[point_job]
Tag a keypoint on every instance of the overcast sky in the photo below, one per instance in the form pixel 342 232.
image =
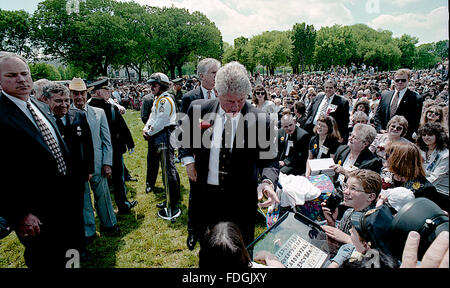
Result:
pixel 426 20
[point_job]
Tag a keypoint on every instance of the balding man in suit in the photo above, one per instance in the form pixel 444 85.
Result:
pixel 35 197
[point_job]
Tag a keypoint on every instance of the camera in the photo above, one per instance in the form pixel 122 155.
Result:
pixel 421 215
pixel 333 201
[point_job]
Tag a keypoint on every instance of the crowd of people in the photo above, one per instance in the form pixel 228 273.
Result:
pixel 383 130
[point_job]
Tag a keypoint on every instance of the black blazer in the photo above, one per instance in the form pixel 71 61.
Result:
pixel 77 135
pixel 190 96
pixel 247 166
pixel 31 182
pixel 365 160
pixel 121 137
pixel 410 107
pixel 295 161
pixel 341 114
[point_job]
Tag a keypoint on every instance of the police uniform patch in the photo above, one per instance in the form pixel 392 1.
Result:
pixel 371 211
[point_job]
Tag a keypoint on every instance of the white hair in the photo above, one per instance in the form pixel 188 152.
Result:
pixel 233 78
pixel 206 64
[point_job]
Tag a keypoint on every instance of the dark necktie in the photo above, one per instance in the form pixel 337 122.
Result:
pixel 49 140
pixel 394 104
pixel 209 94
pixel 225 151
pixel 61 126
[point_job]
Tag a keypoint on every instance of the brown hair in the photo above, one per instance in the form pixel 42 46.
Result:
pixel 258 88
pixel 370 180
pixel 404 160
pixel 400 120
pixel 333 131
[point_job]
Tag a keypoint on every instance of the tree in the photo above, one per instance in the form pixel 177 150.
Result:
pixel 44 71
pixel 271 49
pixel 425 57
pixel 407 46
pixel 15 28
pixel 441 49
pixel 303 40
pixel 175 34
pixel 334 46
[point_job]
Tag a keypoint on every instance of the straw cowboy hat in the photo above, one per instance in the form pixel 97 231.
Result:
pixel 77 84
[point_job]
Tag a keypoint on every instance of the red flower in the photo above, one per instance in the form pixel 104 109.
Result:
pixel 204 125
pixel 385 184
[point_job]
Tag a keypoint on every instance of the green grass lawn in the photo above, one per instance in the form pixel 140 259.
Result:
pixel 145 241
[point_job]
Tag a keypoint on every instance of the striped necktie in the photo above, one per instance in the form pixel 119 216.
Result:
pixel 49 140
pixel 394 104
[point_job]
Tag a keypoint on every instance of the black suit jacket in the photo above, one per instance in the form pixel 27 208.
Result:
pixel 341 114
pixel 31 182
pixel 190 96
pixel 247 166
pixel 295 161
pixel 121 137
pixel 410 107
pixel 365 160
pixel 77 135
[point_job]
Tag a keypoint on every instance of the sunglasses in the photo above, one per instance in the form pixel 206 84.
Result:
pixel 395 127
pixel 400 80
pixel 434 113
pixel 260 93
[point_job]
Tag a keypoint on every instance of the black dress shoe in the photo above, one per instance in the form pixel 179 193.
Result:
pixel 191 241
pixel 113 229
pixel 161 205
pixel 88 240
pixel 127 208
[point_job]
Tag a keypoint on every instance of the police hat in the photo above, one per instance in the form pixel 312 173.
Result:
pixel 159 78
pixel 178 81
pixel 100 84
pixel 374 226
pixel 421 215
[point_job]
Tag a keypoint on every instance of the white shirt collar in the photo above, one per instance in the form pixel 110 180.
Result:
pixel 205 93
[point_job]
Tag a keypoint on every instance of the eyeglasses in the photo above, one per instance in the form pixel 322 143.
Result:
pixel 395 127
pixel 400 80
pixel 434 113
pixel 260 93
pixel 345 187
pixel 356 138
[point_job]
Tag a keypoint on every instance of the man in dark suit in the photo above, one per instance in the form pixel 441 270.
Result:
pixel 121 140
pixel 35 197
pixel 400 101
pixel 332 105
pixel 206 70
pixel 74 128
pixel 223 170
pixel 292 147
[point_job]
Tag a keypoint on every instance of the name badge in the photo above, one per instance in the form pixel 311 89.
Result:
pixel 290 144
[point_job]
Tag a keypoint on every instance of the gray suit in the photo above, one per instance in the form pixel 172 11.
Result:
pixel 101 140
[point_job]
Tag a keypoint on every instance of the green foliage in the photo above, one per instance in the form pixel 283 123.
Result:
pixel 407 46
pixel 15 32
pixel 304 41
pixel 271 49
pixel 44 71
pixel 441 49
